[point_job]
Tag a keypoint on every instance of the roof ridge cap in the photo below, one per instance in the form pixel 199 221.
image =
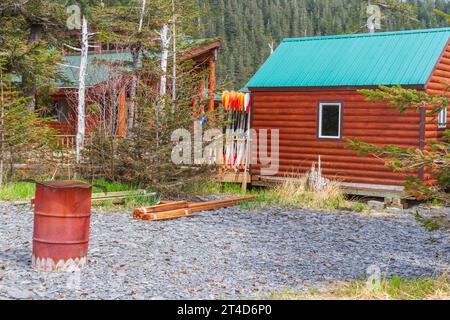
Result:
pixel 368 35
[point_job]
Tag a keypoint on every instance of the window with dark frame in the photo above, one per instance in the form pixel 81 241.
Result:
pixel 57 110
pixel 330 120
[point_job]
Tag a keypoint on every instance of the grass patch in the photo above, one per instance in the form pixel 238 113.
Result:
pixel 206 187
pixel 395 288
pixel 25 190
pixel 297 193
pixel 17 191
pixel 434 222
pixel 111 186
pixel 358 206
pixel 203 187
pixel 293 193
pixel 126 204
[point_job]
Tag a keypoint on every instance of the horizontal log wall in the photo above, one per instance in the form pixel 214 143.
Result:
pixel 62 128
pixel 438 83
pixel 295 115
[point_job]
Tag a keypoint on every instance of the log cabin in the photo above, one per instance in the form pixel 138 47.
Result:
pixel 104 79
pixel 308 89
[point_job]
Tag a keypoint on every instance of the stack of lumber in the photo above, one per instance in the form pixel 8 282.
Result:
pixel 164 211
pixel 120 195
pixel 178 209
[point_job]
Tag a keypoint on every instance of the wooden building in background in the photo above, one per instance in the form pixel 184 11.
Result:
pixel 308 89
pixel 108 77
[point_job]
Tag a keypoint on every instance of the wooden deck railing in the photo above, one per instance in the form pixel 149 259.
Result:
pixel 66 141
pixel 64 153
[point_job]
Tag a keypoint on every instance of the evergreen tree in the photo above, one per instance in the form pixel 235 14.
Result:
pixel 30 30
pixel 23 134
pixel 248 27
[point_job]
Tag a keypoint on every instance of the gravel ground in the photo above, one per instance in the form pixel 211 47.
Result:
pixel 229 253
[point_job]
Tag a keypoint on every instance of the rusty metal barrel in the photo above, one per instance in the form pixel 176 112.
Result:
pixel 62 214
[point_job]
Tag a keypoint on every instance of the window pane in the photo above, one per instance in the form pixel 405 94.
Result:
pixel 442 118
pixel 57 110
pixel 62 109
pixel 330 121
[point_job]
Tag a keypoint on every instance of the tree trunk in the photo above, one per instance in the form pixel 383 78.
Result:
pixel 164 57
pixel 165 42
pixel 373 22
pixel 11 164
pixel 141 18
pixel 134 81
pixel 2 124
pixel 82 91
pixel 174 67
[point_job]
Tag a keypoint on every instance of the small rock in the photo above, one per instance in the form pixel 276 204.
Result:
pixel 376 205
pixel 19 294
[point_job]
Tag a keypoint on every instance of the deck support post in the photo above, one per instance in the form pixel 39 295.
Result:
pixel 212 81
pixel 248 150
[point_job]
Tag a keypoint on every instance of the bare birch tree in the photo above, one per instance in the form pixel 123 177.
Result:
pixel 81 109
pixel 2 125
pixel 165 43
pixel 174 47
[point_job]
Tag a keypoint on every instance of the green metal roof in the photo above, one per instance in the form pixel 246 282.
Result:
pixel 388 58
pixel 98 70
pixel 99 65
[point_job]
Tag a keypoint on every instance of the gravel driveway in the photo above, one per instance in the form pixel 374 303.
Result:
pixel 230 253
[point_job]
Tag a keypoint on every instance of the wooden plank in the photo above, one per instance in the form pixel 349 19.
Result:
pixel 217 204
pixel 119 194
pixel 349 179
pixel 166 215
pixel 375 191
pixel 97 197
pixel 232 177
pixel 378 193
pixel 160 208
pixel 169 206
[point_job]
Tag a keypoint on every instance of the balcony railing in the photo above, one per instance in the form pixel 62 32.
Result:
pixel 65 141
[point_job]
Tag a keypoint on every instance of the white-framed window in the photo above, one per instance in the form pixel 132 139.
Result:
pixel 442 118
pixel 330 114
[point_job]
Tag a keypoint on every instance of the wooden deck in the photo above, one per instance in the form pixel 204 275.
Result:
pixel 366 190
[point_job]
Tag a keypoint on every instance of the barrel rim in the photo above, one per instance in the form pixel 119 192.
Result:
pixel 65 184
